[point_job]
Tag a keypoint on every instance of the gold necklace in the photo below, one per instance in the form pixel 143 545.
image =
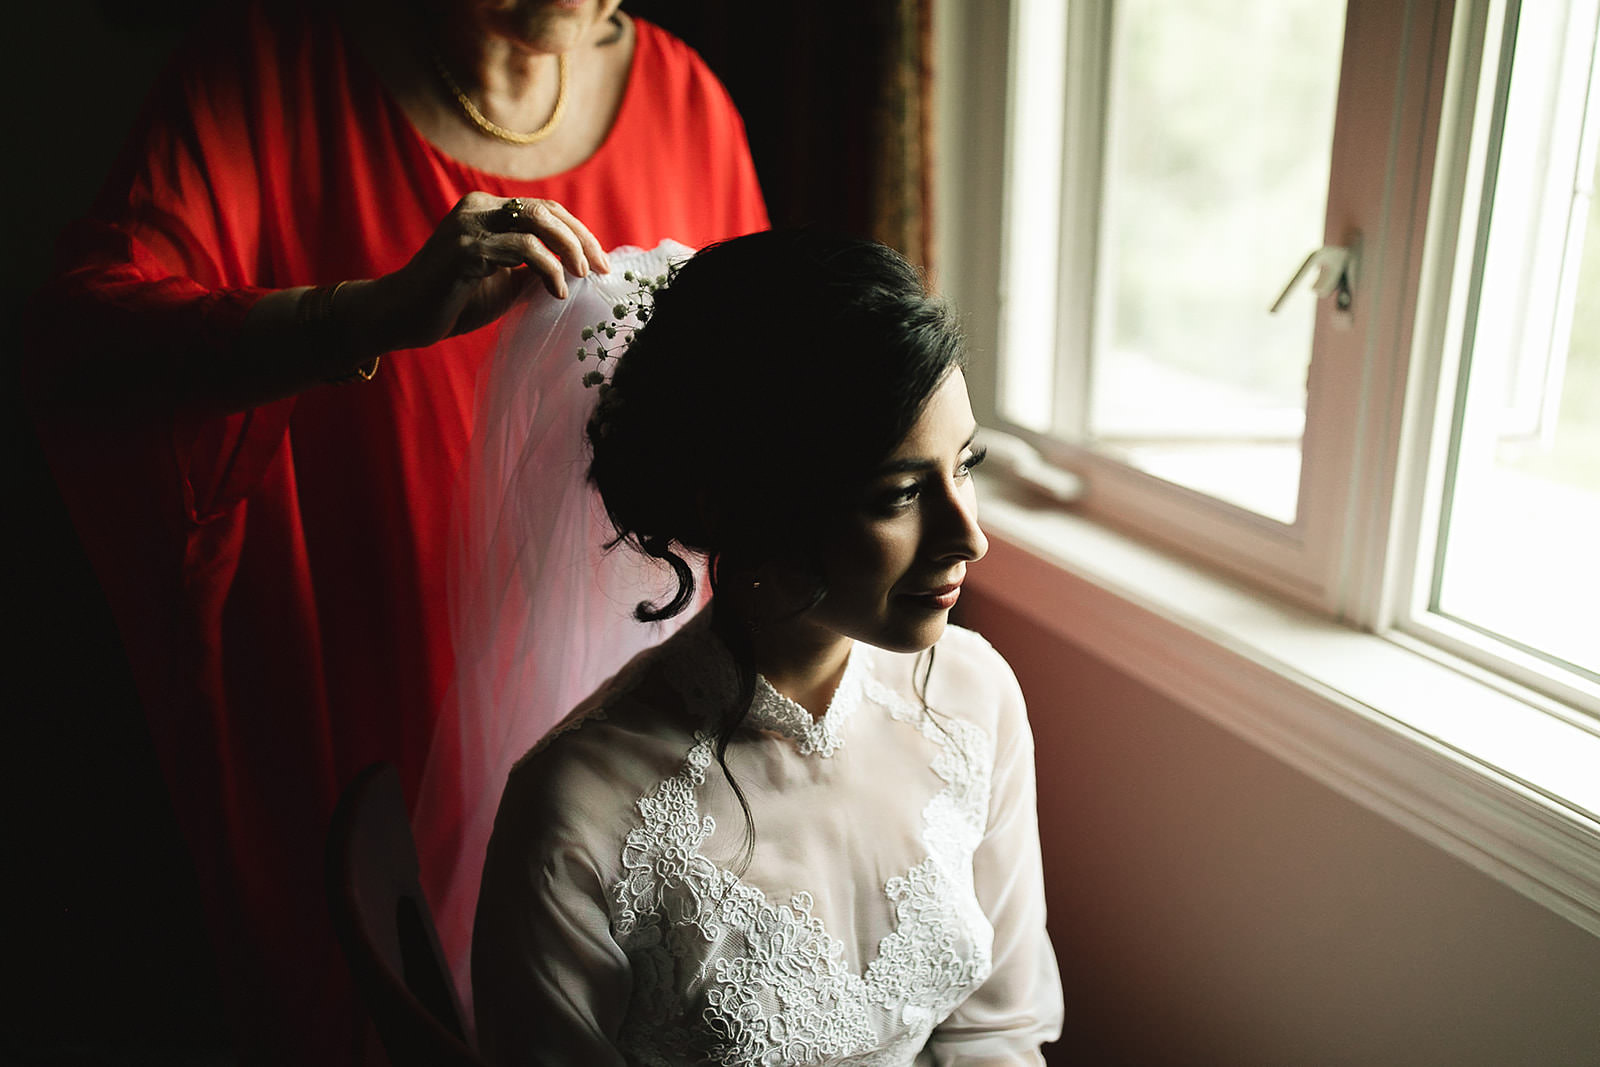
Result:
pixel 495 130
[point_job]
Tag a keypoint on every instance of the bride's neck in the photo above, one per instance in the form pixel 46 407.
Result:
pixel 803 663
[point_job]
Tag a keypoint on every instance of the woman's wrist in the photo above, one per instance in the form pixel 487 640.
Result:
pixel 331 328
pixel 291 340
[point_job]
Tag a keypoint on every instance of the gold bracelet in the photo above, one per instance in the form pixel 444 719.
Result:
pixel 315 312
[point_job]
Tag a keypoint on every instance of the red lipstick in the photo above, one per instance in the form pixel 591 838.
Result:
pixel 940 598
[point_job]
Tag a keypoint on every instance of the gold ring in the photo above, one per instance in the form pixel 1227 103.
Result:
pixel 510 212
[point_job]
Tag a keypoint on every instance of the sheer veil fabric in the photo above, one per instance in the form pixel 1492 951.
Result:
pixel 541 611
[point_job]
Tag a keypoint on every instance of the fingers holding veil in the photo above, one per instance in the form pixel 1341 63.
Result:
pixel 545 236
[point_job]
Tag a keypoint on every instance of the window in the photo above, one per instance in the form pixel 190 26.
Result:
pixel 1189 199
pixel 1505 564
pixel 1411 443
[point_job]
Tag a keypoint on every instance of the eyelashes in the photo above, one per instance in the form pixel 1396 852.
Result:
pixel 898 498
pixel 901 497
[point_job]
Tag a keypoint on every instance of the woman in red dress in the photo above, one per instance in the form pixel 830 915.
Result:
pixel 254 376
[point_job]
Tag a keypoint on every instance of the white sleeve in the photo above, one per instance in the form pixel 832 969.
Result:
pixel 1019 1007
pixel 551 986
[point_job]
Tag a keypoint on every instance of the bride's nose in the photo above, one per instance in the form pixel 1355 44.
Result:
pixel 956 534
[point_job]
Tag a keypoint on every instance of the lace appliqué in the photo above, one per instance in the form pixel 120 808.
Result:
pixel 771 710
pixel 723 975
pixel 705 674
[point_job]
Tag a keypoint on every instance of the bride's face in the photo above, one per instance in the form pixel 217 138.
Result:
pixel 895 562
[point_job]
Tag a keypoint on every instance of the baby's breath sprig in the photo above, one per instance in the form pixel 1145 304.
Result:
pixel 632 313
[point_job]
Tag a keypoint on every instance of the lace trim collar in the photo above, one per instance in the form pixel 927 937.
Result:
pixel 771 710
pixel 704 673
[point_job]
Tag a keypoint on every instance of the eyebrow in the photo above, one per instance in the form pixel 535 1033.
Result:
pixel 908 466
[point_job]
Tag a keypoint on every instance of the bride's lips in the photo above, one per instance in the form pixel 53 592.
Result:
pixel 939 598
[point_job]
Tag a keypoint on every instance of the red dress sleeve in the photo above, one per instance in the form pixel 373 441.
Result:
pixel 160 276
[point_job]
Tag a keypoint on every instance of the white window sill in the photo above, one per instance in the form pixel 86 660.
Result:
pixel 1496 781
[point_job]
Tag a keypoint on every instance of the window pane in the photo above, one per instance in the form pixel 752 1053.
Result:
pixel 1519 555
pixel 1220 126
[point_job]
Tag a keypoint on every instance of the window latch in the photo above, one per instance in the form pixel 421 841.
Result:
pixel 1336 274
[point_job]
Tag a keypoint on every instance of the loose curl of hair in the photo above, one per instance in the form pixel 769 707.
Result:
pixel 775 373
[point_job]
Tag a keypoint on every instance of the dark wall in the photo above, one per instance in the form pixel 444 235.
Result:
pixel 806 76
pixel 102 937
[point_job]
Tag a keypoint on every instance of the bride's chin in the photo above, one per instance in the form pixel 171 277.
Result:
pixel 913 639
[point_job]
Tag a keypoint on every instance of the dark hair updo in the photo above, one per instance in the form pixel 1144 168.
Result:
pixel 776 371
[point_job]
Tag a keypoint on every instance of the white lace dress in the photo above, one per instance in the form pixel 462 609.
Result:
pixel 892 911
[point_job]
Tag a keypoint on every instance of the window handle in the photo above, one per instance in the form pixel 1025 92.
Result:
pixel 1336 274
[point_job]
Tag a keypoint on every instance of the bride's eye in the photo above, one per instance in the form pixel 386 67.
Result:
pixel 973 460
pixel 896 498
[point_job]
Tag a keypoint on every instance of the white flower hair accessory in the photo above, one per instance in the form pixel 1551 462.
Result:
pixel 632 312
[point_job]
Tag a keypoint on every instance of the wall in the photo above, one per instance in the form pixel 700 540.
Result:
pixel 1210 905
pixel 102 914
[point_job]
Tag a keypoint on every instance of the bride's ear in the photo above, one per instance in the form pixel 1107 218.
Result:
pixel 791 587
pixel 708 516
pixel 766 593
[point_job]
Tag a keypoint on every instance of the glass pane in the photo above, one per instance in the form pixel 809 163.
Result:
pixel 1220 127
pixel 1519 542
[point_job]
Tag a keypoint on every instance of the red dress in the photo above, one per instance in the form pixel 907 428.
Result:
pixel 278 575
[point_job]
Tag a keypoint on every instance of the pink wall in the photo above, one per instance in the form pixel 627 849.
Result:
pixel 1211 905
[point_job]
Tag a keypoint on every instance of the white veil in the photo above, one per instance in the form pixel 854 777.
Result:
pixel 541 613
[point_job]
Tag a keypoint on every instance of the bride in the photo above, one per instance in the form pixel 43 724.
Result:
pixel 802 828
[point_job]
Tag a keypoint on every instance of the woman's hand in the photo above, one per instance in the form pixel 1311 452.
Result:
pixel 470 271
pixel 466 275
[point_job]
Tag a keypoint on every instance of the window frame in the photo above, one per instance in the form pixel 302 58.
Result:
pixel 1359 544
pixel 1382 171
pixel 1407 560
